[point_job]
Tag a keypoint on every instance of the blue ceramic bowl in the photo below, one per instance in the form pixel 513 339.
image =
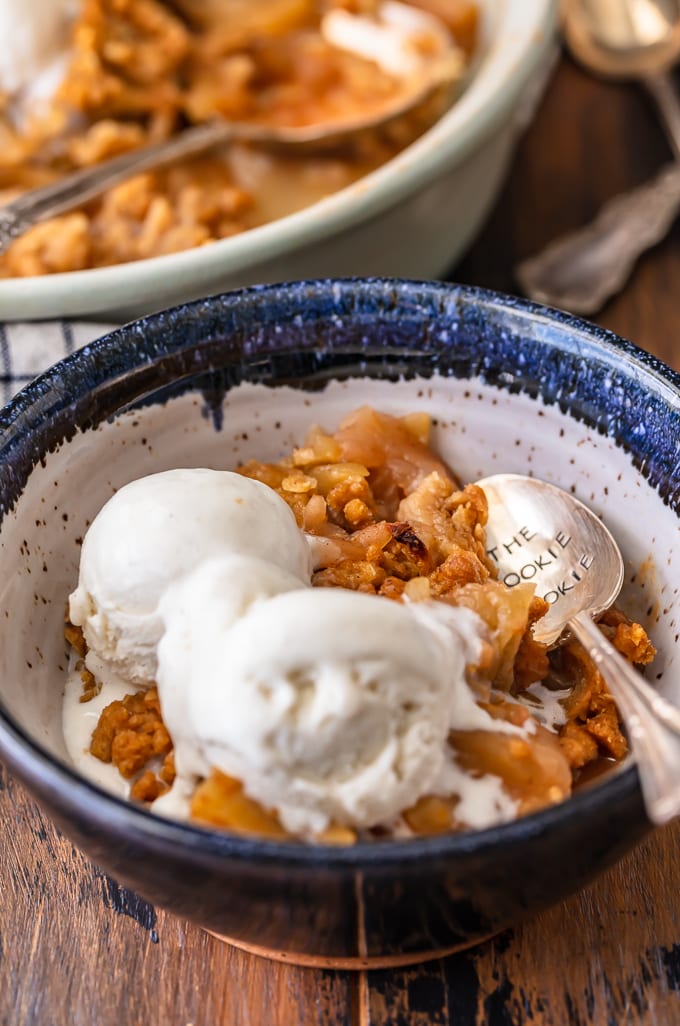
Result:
pixel 512 387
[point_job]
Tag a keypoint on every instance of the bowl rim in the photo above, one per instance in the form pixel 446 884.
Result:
pixel 46 774
pixel 484 104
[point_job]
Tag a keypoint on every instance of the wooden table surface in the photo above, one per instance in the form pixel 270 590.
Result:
pixel 77 949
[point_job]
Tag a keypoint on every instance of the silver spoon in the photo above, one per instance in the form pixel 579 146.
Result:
pixel 537 532
pixel 621 39
pixel 75 189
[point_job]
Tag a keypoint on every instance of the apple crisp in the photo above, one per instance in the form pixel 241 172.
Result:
pixel 387 517
pixel 139 71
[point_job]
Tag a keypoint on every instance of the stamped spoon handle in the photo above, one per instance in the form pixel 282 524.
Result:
pixel 652 723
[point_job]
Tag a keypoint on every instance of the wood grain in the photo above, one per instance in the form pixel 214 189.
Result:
pixel 77 950
pixel 608 956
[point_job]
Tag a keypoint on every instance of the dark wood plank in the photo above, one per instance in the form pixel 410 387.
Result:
pixel 78 950
pixel 610 955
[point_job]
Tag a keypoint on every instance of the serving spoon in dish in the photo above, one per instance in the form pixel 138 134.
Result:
pixel 615 39
pixel 539 533
pixel 418 85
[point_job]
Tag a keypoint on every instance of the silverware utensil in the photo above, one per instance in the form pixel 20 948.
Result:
pixel 619 39
pixel 539 533
pixel 73 190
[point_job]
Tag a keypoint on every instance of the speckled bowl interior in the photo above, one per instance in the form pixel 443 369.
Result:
pixel 511 387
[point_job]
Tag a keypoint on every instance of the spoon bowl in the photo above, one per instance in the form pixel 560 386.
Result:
pixel 538 532
pixel 623 38
pixel 542 534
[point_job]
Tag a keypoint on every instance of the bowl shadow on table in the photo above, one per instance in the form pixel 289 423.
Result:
pixel 176 378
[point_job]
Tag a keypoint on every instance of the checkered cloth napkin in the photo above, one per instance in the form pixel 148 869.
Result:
pixel 27 349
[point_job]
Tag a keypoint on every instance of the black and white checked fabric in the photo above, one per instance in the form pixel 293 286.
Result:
pixel 27 349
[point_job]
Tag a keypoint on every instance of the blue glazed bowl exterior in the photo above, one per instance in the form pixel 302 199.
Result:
pixel 384 899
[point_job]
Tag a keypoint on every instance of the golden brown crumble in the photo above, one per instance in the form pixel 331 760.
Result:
pixel 131 732
pixel 594 727
pixel 150 785
pixel 91 686
pixel 629 638
pixel 74 637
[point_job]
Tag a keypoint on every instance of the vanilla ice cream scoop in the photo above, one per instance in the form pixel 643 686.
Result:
pixel 200 607
pixel 155 531
pixel 328 705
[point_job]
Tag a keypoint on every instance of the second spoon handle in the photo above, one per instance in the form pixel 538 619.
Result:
pixel 662 90
pixel 653 724
pixel 579 272
pixel 78 187
pixel 582 270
